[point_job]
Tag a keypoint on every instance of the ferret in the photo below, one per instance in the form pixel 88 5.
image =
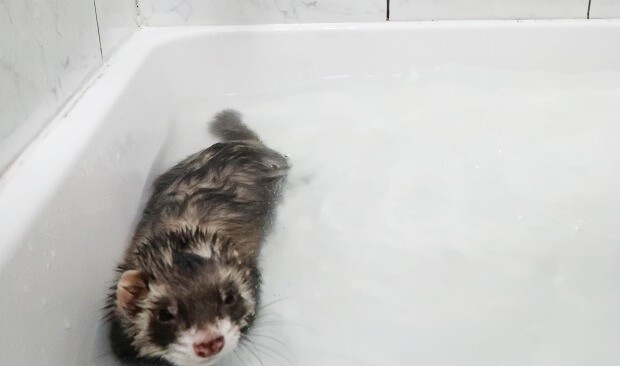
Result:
pixel 188 285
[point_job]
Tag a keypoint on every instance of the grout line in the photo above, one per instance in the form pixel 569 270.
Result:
pixel 589 5
pixel 138 14
pixel 387 13
pixel 98 31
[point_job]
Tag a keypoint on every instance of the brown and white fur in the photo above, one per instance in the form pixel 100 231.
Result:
pixel 188 286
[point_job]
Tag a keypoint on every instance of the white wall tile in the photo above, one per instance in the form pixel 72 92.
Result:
pixel 605 9
pixel 209 12
pixel 487 9
pixel 47 50
pixel 117 22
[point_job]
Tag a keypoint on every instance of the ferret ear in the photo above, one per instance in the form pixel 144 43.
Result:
pixel 131 288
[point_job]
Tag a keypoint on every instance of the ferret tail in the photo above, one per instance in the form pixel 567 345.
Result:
pixel 229 126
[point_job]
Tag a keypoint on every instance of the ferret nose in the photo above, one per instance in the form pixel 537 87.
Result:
pixel 209 348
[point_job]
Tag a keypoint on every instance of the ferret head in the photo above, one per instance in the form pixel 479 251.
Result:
pixel 188 304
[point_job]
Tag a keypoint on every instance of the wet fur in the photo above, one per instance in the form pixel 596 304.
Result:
pixel 200 235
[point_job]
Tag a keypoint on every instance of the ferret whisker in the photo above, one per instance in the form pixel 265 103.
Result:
pixel 270 349
pixel 277 341
pixel 253 353
pixel 262 307
pixel 270 316
pixel 276 323
pixel 262 352
pixel 236 354
pixel 242 352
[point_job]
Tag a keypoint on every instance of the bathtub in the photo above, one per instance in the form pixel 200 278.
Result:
pixel 454 198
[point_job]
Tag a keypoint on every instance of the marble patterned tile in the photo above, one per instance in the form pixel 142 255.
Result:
pixel 605 9
pixel 487 9
pixel 47 50
pixel 211 12
pixel 117 22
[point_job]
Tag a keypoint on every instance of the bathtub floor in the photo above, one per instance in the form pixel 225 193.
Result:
pixel 445 216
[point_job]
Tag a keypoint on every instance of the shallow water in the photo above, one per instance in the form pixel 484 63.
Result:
pixel 445 216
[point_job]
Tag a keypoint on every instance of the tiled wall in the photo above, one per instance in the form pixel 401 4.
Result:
pixel 117 21
pixel 48 48
pixel 212 12
pixel 600 9
pixel 207 12
pixel 487 9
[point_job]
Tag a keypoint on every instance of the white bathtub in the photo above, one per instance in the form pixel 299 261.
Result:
pixel 455 197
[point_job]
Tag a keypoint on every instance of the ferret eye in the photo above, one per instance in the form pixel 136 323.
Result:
pixel 164 315
pixel 230 298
